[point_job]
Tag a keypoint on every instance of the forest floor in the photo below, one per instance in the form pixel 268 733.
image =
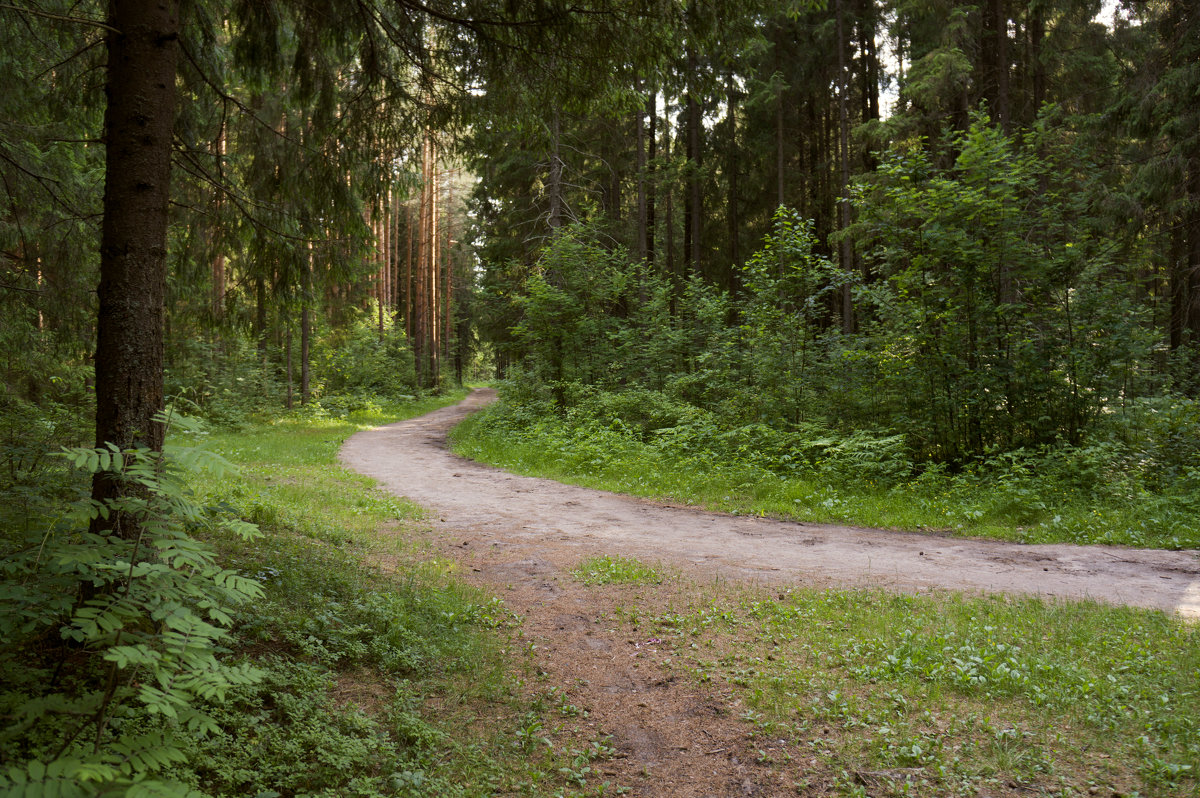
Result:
pixel 521 537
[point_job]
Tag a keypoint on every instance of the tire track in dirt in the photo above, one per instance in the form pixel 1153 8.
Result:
pixel 411 459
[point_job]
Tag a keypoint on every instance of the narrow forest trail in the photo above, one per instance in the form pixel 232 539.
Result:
pixel 520 537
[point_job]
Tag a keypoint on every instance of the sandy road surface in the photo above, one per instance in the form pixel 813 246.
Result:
pixel 472 500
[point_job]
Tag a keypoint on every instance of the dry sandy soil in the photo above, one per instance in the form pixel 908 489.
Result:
pixel 520 537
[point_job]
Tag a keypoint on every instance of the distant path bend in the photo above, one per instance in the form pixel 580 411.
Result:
pixel 411 459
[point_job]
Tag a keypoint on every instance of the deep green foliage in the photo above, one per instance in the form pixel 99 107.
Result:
pixel 115 640
pixel 364 358
pixel 989 320
pixel 998 323
pixel 999 379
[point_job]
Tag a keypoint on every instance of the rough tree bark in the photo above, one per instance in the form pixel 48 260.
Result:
pixel 138 124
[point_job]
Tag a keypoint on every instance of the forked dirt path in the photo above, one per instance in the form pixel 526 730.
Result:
pixel 520 537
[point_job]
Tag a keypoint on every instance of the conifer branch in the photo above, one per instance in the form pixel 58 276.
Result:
pixel 88 21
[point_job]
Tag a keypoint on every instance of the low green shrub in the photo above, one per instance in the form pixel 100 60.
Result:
pixel 114 637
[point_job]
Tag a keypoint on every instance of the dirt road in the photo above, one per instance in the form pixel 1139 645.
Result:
pixel 673 737
pixel 540 516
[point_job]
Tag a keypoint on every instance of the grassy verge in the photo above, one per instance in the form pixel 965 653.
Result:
pixel 383 674
pixel 866 693
pixel 1024 502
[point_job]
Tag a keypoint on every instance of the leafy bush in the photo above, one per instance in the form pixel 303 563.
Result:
pixel 222 381
pixel 638 411
pixel 1000 321
pixel 363 359
pixel 113 636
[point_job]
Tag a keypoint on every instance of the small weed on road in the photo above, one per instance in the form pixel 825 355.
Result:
pixel 610 570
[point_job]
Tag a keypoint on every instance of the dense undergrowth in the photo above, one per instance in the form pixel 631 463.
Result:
pixel 1135 480
pixel 288 638
pixel 984 368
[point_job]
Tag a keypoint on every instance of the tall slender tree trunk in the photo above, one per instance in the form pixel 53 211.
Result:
pixel 389 258
pixel 777 57
pixel 1000 15
pixel 1037 32
pixel 287 353
pixel 408 271
pixel 306 327
pixel 1185 281
pixel 435 241
pixel 448 293
pixel 780 197
pixel 640 236
pixel 260 314
pixel 695 195
pixel 380 250
pixel 651 190
pixel 870 54
pixel 847 255
pixel 218 258
pixel 555 187
pixel 143 50
pixel 731 213
pixel 994 59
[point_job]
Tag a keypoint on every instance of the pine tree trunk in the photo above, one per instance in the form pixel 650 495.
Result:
pixel 556 168
pixel 695 197
pixel 735 253
pixel 847 256
pixel 650 188
pixel 408 271
pixel 138 125
pixel 260 315
pixel 218 260
pixel 1185 284
pixel 287 350
pixel 1037 33
pixel 447 317
pixel 640 237
pixel 780 198
pixel 306 328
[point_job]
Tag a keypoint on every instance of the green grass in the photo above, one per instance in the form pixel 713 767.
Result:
pixel 609 570
pixel 1024 504
pixel 869 693
pixel 385 675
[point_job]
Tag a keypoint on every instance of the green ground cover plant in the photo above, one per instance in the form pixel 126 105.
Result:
pixel 329 654
pixel 607 569
pixel 872 693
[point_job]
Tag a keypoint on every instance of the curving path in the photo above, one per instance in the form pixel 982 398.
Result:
pixel 497 508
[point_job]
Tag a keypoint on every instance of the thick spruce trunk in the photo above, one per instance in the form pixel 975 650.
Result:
pixel 138 123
